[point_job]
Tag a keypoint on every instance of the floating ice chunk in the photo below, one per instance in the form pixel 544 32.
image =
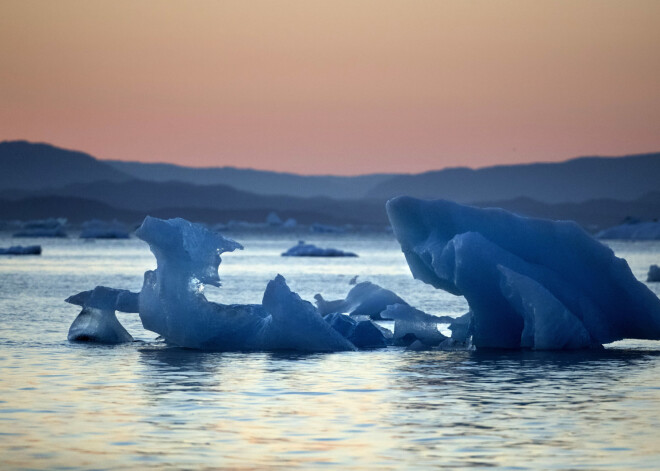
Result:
pixel 632 231
pixel 21 250
pixel 364 299
pixel 654 274
pixel 273 219
pixel 97 321
pixel 461 249
pixel 96 229
pixel 98 325
pixel 296 324
pixel 309 250
pixel 326 228
pixel 368 335
pixel 53 227
pixel 290 223
pixel 173 305
pixel 411 324
pixel 362 334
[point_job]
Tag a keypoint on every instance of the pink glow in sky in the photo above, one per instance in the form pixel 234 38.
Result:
pixel 341 87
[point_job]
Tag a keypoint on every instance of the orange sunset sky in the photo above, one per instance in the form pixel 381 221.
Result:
pixel 342 87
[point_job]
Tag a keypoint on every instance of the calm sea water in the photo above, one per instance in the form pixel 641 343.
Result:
pixel 144 405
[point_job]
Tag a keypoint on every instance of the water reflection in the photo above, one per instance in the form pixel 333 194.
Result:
pixel 549 406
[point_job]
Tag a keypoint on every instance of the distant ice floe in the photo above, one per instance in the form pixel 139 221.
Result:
pixel 632 231
pixel 326 229
pixel 21 250
pixel 97 229
pixel 529 283
pixel 654 274
pixel 309 250
pixel 52 227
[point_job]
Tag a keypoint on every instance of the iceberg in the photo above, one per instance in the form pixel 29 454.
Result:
pixel 309 250
pixel 529 283
pixel 654 274
pixel 97 322
pixel 96 229
pixel 364 299
pixel 632 231
pixel 172 303
pixel 21 250
pixel 52 227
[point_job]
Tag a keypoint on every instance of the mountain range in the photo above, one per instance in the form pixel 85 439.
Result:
pixel 39 180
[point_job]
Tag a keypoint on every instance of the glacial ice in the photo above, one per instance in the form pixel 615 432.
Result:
pixel 309 250
pixel 21 250
pixel 529 283
pixel 97 229
pixel 97 322
pixel 364 299
pixel 173 305
pixel 632 231
pixel 654 274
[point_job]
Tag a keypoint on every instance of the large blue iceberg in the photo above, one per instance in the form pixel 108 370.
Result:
pixel 530 283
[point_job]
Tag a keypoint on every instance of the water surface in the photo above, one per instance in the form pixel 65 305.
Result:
pixel 146 405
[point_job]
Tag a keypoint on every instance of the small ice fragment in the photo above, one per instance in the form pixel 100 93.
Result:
pixel 21 250
pixel 309 250
pixel 654 274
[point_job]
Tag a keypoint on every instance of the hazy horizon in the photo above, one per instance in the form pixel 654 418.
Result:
pixel 341 88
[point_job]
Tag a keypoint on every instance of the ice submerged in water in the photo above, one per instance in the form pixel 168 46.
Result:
pixel 530 283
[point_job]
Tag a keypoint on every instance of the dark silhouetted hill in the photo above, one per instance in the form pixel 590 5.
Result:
pixel 592 215
pixel 256 181
pixel 154 197
pixel 26 165
pixel 582 179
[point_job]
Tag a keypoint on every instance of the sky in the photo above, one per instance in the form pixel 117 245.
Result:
pixel 333 87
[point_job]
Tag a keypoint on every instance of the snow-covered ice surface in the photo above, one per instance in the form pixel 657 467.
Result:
pixel 530 283
pixel 649 230
pixel 147 405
